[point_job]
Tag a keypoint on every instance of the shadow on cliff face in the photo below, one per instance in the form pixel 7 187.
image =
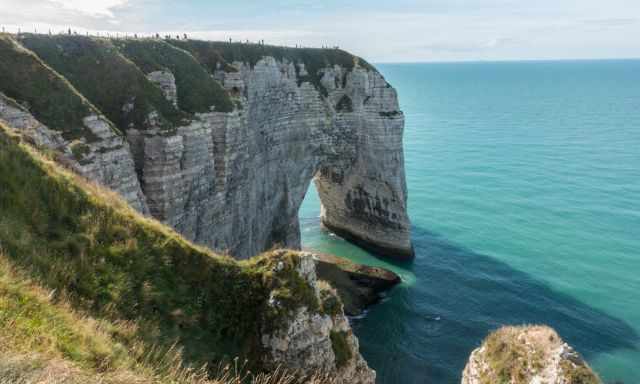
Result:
pixel 426 332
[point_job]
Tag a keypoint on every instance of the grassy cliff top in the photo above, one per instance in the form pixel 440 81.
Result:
pixel 103 75
pixel 216 55
pixel 41 90
pixel 63 78
pixel 85 245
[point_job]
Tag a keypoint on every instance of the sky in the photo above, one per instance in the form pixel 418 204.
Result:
pixel 378 30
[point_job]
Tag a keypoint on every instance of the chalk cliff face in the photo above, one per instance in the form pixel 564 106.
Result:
pixel 235 181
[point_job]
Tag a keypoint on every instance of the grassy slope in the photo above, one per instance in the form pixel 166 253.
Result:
pixel 197 90
pixel 38 335
pixel 111 263
pixel 98 70
pixel 49 97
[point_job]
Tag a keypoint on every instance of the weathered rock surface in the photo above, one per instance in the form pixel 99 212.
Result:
pixel 318 342
pixel 358 286
pixel 534 354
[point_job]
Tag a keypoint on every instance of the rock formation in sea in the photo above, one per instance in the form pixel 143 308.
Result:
pixel 527 354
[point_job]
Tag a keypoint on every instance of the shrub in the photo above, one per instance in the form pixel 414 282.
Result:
pixel 341 348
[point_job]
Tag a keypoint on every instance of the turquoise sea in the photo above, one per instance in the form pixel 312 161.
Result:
pixel 524 188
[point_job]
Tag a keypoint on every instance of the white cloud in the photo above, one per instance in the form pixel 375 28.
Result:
pixel 91 7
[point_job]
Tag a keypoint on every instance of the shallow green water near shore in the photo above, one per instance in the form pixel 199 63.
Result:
pixel 524 187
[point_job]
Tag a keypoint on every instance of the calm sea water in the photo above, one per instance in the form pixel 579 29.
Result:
pixel 524 187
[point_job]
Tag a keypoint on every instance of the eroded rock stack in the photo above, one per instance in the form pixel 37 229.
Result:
pixel 533 354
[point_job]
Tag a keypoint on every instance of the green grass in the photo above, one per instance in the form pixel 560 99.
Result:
pixel 107 260
pixel 32 324
pixel 104 76
pixel 111 74
pixel 46 94
pixel 197 90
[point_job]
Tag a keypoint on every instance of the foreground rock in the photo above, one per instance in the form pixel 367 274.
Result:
pixel 533 354
pixel 359 286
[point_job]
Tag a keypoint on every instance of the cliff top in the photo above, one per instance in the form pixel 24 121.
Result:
pixel 99 70
pixel 61 79
pixel 216 55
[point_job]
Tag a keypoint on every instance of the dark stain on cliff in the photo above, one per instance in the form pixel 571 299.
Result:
pixel 369 207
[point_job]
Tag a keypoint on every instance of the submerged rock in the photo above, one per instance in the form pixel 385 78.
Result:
pixel 359 286
pixel 527 354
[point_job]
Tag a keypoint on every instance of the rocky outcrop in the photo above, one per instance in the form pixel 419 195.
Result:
pixel 358 286
pixel 104 157
pixel 166 81
pixel 315 341
pixel 534 354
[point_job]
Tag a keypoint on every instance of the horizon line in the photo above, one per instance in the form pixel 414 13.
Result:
pixel 479 61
